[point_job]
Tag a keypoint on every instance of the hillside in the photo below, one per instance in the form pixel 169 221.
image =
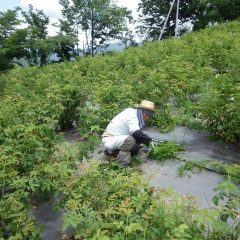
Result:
pixel 193 80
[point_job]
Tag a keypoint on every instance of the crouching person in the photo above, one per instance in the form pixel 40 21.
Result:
pixel 124 134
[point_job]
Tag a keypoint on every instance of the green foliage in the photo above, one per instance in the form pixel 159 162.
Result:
pixel 38 45
pixel 190 166
pixel 227 198
pixel 165 150
pixel 12 40
pixel 215 12
pixel 163 119
pixel 30 144
pixel 111 203
pixel 220 106
pixel 152 17
pixel 15 222
pixel 30 45
pixel 231 171
pixel 115 203
pixel 37 21
pixel 36 103
pixel 229 193
pixel 33 107
pixel 8 22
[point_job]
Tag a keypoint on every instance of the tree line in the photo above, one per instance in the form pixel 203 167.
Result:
pixel 95 23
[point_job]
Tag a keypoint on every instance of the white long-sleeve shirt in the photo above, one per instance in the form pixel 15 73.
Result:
pixel 125 123
pixel 121 126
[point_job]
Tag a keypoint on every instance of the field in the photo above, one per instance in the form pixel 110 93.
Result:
pixel 193 80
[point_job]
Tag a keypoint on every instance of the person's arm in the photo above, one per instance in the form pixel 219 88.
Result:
pixel 141 137
pixel 134 128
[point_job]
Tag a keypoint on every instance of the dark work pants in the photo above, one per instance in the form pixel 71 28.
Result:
pixel 124 156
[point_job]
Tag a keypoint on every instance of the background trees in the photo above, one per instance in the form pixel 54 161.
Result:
pixel 41 46
pixel 91 23
pixel 87 27
pixel 31 44
pixel 152 17
pixel 214 11
pixel 37 34
pixel 11 39
pixel 99 21
pixel 193 14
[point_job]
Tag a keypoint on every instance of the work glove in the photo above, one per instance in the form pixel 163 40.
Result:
pixel 141 137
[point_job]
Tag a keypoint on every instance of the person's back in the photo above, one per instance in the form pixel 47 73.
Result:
pixel 125 123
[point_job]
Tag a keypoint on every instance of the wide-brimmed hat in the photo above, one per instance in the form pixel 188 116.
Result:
pixel 145 104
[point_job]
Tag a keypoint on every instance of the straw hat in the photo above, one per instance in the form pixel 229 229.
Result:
pixel 145 104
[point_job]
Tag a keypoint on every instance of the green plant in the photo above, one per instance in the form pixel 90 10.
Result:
pixel 163 119
pixel 229 211
pixel 194 77
pixel 191 166
pixel 165 150
pixel 219 108
pixel 110 202
pixel 15 219
pixel 227 198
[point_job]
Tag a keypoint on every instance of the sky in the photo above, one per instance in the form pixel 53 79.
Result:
pixel 52 8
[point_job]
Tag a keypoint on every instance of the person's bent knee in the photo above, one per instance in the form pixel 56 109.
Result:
pixel 131 140
pixel 128 143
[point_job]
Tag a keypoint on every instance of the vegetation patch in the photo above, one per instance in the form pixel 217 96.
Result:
pixel 108 202
pixel 37 103
pixel 165 150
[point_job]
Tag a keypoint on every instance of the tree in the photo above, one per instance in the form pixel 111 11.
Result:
pixel 195 13
pixel 62 46
pixel 66 50
pixel 100 21
pixel 31 43
pixel 37 33
pixel 41 46
pixel 12 40
pixel 152 16
pixel 215 11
